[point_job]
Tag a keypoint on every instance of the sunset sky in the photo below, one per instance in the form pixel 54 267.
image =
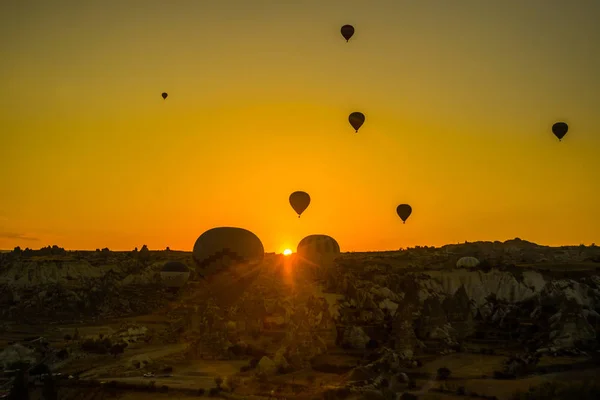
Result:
pixel 459 98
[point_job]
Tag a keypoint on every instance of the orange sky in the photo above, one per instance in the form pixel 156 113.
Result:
pixel 459 98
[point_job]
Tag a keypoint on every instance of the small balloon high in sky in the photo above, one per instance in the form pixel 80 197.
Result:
pixel 164 96
pixel 356 119
pixel 404 211
pixel 560 129
pixel 299 201
pixel 347 32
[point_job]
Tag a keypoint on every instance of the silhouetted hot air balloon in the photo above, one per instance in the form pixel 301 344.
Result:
pixel 560 129
pixel 318 250
pixel 356 119
pixel 225 246
pixel 347 32
pixel 164 96
pixel 404 211
pixel 229 259
pixel 299 202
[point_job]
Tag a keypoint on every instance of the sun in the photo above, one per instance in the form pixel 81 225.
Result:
pixel 287 252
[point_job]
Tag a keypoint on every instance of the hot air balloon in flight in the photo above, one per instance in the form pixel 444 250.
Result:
pixel 356 119
pixel 347 32
pixel 560 129
pixel 299 202
pixel 404 211
pixel 164 96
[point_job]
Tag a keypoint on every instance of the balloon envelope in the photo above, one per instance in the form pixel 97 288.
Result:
pixel 560 129
pixel 318 249
pixel 347 31
pixel 164 96
pixel 404 211
pixel 356 119
pixel 223 247
pixel 467 262
pixel 299 202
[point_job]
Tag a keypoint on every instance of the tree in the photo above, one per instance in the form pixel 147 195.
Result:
pixel 17 250
pixel 118 349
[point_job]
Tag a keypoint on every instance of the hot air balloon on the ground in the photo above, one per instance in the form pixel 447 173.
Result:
pixel 164 96
pixel 317 251
pixel 226 246
pixel 560 129
pixel 299 201
pixel 347 32
pixel 356 119
pixel 174 274
pixel 404 211
pixel 229 259
pixel 467 262
pixel 315 246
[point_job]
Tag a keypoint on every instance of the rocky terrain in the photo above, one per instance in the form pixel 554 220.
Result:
pixel 369 325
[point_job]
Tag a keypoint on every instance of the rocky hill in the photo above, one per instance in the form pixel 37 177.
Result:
pixel 545 298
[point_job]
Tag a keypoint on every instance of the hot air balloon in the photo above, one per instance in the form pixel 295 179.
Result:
pixel 229 259
pixel 317 253
pixel 356 119
pixel 226 246
pixel 315 246
pixel 164 96
pixel 347 32
pixel 174 274
pixel 560 129
pixel 404 211
pixel 467 262
pixel 299 202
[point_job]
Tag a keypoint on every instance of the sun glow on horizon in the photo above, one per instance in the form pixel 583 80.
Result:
pixel 287 252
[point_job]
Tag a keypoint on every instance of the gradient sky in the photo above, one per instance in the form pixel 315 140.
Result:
pixel 459 97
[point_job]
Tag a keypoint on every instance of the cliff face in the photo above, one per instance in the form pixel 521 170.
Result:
pixel 27 273
pixel 455 304
pixel 66 287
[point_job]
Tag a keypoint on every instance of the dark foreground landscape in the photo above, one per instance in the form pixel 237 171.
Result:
pixel 407 324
